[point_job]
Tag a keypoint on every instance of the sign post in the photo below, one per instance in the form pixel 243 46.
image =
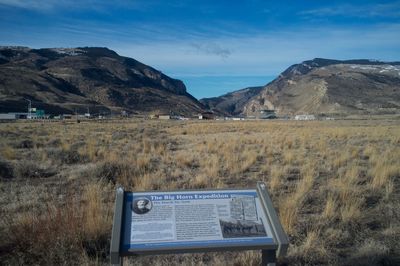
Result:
pixel 116 229
pixel 156 222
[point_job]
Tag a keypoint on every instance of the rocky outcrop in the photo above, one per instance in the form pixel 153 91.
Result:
pixel 331 87
pixel 231 103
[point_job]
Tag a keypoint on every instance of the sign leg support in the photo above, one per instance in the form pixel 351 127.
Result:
pixel 115 258
pixel 268 257
pixel 120 263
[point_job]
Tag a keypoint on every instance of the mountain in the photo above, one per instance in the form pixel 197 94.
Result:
pixel 65 80
pixel 331 87
pixel 231 103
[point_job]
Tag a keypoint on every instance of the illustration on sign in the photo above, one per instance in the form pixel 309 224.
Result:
pixel 141 205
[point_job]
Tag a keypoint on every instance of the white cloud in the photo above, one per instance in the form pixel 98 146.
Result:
pixel 181 51
pixel 53 5
pixel 211 48
pixel 31 4
pixel 388 10
pixel 267 53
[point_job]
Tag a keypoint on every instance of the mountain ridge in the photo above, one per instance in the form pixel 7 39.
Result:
pixel 332 87
pixel 328 87
pixel 66 79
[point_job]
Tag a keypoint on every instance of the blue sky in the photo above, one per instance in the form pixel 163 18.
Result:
pixel 213 46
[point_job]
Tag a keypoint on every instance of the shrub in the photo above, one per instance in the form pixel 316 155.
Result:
pixel 31 169
pixel 25 144
pixel 6 170
pixel 108 171
pixel 66 156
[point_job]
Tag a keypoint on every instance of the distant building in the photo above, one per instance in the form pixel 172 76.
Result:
pixel 304 117
pixel 8 116
pixel 40 114
pixel 12 116
pixel 267 114
pixel 207 116
pixel 164 117
pixel 124 113
pixel 66 116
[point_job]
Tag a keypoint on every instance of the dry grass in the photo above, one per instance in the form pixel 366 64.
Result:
pixel 335 185
pixel 276 177
pixel 331 207
pixel 8 152
pixel 73 231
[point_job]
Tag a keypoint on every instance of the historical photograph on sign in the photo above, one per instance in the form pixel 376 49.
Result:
pixel 237 228
pixel 244 221
pixel 141 205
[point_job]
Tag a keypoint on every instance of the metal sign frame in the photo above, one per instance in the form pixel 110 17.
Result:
pixel 270 251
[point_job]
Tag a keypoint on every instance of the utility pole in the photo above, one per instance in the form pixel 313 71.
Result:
pixel 76 115
pixel 29 109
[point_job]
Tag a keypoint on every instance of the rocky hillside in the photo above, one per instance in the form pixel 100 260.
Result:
pixel 64 80
pixel 231 103
pixel 332 87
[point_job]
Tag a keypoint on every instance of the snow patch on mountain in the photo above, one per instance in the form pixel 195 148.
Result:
pixel 69 51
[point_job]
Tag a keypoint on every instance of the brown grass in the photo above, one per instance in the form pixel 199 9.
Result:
pixel 8 152
pixel 331 208
pixel 335 185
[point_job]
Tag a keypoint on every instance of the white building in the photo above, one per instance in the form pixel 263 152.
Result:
pixel 304 117
pixel 164 117
pixel 8 117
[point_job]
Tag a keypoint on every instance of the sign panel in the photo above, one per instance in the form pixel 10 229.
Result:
pixel 156 221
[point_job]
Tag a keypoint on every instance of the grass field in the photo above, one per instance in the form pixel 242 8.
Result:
pixel 335 185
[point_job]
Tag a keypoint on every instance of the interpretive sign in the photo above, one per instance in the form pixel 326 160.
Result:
pixel 194 221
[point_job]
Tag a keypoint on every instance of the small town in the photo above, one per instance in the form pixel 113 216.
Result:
pixel 39 114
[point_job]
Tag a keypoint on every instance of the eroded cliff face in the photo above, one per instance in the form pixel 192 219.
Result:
pixel 322 86
pixel 61 79
pixel 231 103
